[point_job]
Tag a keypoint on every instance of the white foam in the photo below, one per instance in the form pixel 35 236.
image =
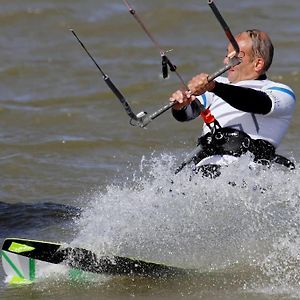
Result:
pixel 196 222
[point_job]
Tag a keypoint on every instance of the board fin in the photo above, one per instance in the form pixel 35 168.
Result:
pixel 19 280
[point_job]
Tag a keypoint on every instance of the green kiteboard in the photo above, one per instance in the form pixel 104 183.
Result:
pixel 24 261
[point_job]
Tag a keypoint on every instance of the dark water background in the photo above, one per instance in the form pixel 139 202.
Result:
pixel 74 170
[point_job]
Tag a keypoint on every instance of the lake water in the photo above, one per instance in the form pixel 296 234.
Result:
pixel 74 170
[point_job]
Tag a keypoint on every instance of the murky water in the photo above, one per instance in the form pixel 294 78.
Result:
pixel 74 170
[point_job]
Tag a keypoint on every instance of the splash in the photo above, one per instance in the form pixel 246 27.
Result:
pixel 245 217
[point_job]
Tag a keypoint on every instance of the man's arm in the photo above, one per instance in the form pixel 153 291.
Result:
pixel 244 99
pixel 187 113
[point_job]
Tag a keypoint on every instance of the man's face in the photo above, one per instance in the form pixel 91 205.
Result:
pixel 246 69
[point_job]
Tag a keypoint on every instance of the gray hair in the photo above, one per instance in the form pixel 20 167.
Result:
pixel 261 46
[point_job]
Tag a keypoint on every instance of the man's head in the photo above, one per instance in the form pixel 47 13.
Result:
pixel 256 52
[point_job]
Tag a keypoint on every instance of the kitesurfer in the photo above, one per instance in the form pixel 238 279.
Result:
pixel 254 112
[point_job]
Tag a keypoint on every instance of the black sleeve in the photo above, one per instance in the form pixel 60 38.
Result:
pixel 245 99
pixel 188 113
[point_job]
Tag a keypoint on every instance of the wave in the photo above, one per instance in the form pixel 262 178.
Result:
pixel 195 222
pixel 21 219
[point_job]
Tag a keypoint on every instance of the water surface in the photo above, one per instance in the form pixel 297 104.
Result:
pixel 74 170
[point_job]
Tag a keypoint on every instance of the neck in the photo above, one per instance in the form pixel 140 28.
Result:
pixel 262 77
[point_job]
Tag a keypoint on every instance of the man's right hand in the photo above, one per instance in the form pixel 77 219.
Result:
pixel 181 99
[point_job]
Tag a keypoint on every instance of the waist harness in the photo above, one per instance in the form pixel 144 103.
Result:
pixel 229 141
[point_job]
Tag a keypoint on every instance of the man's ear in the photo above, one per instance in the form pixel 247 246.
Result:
pixel 259 64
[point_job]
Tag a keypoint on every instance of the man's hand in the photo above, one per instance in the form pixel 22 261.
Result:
pixel 199 84
pixel 181 99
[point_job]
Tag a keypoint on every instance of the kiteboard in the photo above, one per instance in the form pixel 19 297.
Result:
pixel 25 261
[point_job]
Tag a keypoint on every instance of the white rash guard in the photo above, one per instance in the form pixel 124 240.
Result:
pixel 270 127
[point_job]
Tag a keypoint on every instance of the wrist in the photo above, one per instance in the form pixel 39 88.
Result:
pixel 178 107
pixel 211 86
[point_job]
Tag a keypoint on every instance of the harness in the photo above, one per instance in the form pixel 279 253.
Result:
pixel 229 141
